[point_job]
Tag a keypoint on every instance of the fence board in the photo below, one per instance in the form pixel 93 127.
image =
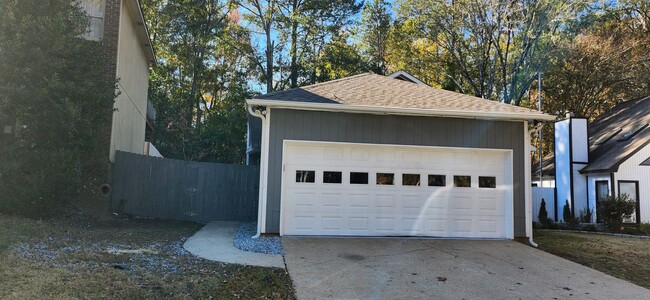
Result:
pixel 172 189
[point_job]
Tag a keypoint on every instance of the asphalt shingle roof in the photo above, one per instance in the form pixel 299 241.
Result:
pixel 375 90
pixel 606 157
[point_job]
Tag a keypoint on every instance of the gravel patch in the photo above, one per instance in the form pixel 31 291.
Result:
pixel 161 258
pixel 263 244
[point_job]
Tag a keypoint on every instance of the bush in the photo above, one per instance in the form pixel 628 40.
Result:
pixel 644 227
pixel 632 230
pixel 613 210
pixel 542 216
pixel 569 220
pixel 585 215
pixel 552 225
pixel 589 227
pixel 34 183
pixel 52 83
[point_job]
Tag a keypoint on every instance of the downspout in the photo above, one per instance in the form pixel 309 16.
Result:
pixel 257 113
pixel 529 200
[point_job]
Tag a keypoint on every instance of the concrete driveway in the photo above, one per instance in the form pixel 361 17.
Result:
pixel 347 268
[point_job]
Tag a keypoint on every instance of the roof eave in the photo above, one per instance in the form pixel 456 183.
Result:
pixel 614 168
pixel 337 107
pixel 142 30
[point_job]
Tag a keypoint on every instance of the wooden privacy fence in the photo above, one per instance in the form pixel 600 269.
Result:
pixel 172 189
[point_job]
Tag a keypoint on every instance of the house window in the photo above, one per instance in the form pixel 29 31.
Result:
pixel 358 178
pixel 487 182
pixel 332 177
pixel 411 179
pixel 602 191
pixel 95 11
pixel 462 181
pixel 631 189
pixel 385 178
pixel 305 176
pixel 437 180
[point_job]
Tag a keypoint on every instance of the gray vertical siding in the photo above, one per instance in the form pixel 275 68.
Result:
pixel 386 129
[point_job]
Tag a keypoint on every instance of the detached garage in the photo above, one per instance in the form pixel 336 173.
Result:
pixel 371 155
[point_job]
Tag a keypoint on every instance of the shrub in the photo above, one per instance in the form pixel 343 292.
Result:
pixel 552 225
pixel 569 220
pixel 585 215
pixel 590 227
pixel 631 230
pixel 613 210
pixel 542 216
pixel 51 83
pixel 566 212
pixel 644 227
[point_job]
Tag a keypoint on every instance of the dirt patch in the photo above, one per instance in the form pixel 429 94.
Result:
pixel 80 257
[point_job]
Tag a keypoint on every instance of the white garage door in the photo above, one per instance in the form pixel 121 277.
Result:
pixel 381 190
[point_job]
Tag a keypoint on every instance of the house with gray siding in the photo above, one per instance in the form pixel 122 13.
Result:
pixel 373 155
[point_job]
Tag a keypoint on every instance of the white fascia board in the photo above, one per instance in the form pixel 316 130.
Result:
pixel 137 18
pixel 336 107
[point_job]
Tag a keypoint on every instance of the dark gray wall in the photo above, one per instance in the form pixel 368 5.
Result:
pixel 184 190
pixel 387 129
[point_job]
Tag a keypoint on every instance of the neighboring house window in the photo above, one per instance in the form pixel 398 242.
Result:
pixel 95 10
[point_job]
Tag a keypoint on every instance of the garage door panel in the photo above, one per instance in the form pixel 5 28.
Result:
pixel 332 223
pixel 342 208
pixel 436 226
pixel 461 226
pixel 359 223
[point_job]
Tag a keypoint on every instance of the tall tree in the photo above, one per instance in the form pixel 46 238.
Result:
pixel 339 59
pixel 496 46
pixel 308 25
pixel 200 82
pixel 263 16
pixel 419 56
pixel 606 63
pixel 52 83
pixel 375 25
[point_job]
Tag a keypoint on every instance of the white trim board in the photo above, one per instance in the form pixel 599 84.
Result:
pixel 384 110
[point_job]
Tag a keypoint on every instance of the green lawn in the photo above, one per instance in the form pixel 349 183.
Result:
pixel 80 257
pixel 622 257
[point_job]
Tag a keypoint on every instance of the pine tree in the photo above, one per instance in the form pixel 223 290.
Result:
pixel 543 214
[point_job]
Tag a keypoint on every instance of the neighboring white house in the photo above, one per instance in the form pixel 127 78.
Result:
pixel 609 156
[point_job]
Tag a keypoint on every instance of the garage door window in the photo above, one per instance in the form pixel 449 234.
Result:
pixel 462 181
pixel 332 177
pixel 411 179
pixel 385 178
pixel 437 180
pixel 358 178
pixel 305 176
pixel 487 182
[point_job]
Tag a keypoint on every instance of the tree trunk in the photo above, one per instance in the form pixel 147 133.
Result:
pixel 269 60
pixel 294 49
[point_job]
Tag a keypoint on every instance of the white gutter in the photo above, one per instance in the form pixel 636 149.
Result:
pixel 527 183
pixel 337 107
pixel 261 207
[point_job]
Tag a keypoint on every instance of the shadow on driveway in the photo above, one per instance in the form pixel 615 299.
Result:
pixel 367 268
